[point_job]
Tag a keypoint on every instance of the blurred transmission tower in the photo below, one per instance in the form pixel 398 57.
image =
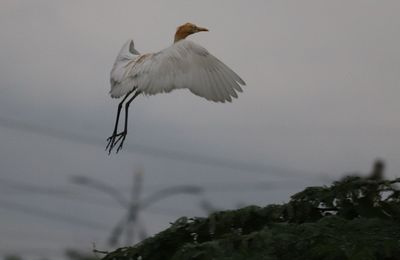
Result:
pixel 130 223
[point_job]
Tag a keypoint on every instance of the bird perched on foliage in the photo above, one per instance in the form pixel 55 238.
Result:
pixel 184 64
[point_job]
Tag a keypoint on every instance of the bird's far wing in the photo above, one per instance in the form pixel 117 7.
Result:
pixel 187 65
pixel 120 84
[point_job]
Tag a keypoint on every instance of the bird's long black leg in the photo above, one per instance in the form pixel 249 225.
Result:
pixel 123 134
pixel 111 139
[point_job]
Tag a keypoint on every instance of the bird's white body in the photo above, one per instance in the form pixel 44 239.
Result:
pixel 182 65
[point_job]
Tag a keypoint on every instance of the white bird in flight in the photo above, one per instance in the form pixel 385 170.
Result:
pixel 184 64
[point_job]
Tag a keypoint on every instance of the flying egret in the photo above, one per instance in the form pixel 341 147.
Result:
pixel 184 64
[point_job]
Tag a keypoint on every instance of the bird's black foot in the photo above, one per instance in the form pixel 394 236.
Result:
pixel 110 143
pixel 121 140
pixel 114 140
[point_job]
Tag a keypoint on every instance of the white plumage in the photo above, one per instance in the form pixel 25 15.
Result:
pixel 184 64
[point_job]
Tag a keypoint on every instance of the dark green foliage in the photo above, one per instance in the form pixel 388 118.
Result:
pixel 351 197
pixel 355 218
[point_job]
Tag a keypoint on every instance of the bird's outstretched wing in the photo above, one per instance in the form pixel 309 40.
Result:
pixel 184 65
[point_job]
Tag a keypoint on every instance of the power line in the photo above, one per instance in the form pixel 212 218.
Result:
pixel 25 188
pixel 62 193
pixel 24 234
pixel 25 251
pixel 41 252
pixel 51 215
pixel 108 204
pixel 154 152
pixel 22 186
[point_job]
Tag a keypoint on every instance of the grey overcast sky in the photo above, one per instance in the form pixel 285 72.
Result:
pixel 322 98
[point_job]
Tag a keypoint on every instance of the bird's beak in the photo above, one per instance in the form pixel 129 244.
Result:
pixel 201 29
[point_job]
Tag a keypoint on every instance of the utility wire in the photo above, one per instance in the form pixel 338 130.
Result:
pixel 60 192
pixel 25 188
pixel 155 152
pixel 170 211
pixel 40 252
pixel 29 188
pixel 51 215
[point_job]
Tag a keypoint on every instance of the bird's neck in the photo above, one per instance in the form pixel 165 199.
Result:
pixel 180 35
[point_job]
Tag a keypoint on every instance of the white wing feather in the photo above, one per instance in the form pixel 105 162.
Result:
pixel 182 65
pixel 119 79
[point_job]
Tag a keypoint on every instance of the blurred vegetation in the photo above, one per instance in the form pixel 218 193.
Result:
pixel 354 218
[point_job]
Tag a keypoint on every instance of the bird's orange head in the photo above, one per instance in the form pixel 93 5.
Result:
pixel 187 29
